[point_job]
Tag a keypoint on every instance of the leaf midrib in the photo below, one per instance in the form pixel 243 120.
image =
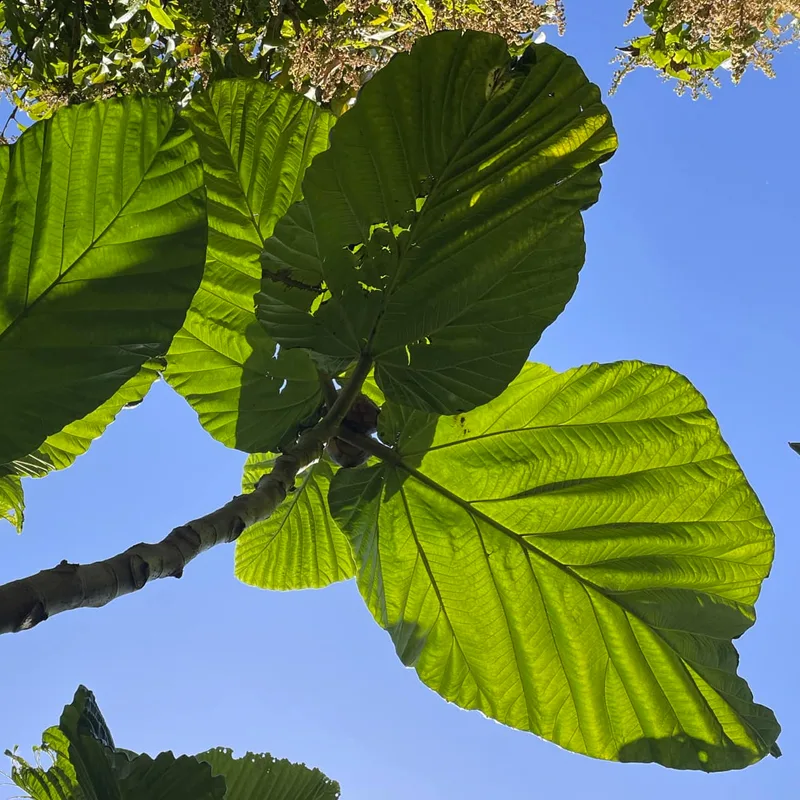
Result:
pixel 284 136
pixel 527 547
pixel 422 215
pixel 539 198
pixel 562 425
pixel 444 178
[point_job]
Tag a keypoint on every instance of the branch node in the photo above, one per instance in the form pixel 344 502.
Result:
pixel 37 614
pixel 140 571
pixel 237 527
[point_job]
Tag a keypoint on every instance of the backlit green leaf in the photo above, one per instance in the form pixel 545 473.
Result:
pixel 255 142
pixel 102 245
pixel 159 15
pixel 12 499
pixel 259 776
pixel 573 559
pixel 447 214
pixel 299 546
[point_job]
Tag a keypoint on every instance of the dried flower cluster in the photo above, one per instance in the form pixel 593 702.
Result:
pixel 353 41
pixel 55 52
pixel 747 32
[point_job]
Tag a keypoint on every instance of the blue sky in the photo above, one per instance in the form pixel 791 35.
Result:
pixel 691 262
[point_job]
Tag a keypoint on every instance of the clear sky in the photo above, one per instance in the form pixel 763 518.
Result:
pixel 691 262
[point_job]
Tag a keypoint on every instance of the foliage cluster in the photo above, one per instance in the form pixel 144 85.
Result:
pixel 691 39
pixel 570 553
pixel 85 763
pixel 67 51
pixel 59 52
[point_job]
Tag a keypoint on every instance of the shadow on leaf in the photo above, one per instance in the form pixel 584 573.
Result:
pixel 687 752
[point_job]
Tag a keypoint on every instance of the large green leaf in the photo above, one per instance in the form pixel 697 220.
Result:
pixel 61 449
pixel 573 559
pixel 87 766
pixel 447 218
pixel 255 142
pixel 259 776
pixel 102 245
pixel 299 546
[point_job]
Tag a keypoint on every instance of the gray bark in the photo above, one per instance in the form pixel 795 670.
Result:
pixel 29 601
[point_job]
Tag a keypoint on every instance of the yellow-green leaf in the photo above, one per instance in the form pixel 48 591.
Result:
pixel 159 15
pixel 573 559
pixel 300 546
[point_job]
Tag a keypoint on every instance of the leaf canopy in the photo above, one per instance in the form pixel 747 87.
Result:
pixel 86 765
pixel 573 559
pixel 300 546
pixel 259 776
pixel 255 143
pixel 102 243
pixel 447 218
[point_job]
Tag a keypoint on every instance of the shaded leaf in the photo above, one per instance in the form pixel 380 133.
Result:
pixel 166 777
pixel 447 218
pixel 259 776
pixel 102 244
pixel 61 449
pixel 299 546
pixel 573 559
pixel 255 142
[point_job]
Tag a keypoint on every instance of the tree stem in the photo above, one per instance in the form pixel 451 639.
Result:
pixel 26 602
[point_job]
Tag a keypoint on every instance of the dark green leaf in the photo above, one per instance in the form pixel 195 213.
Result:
pixel 573 559
pixel 259 776
pixel 102 244
pixel 61 449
